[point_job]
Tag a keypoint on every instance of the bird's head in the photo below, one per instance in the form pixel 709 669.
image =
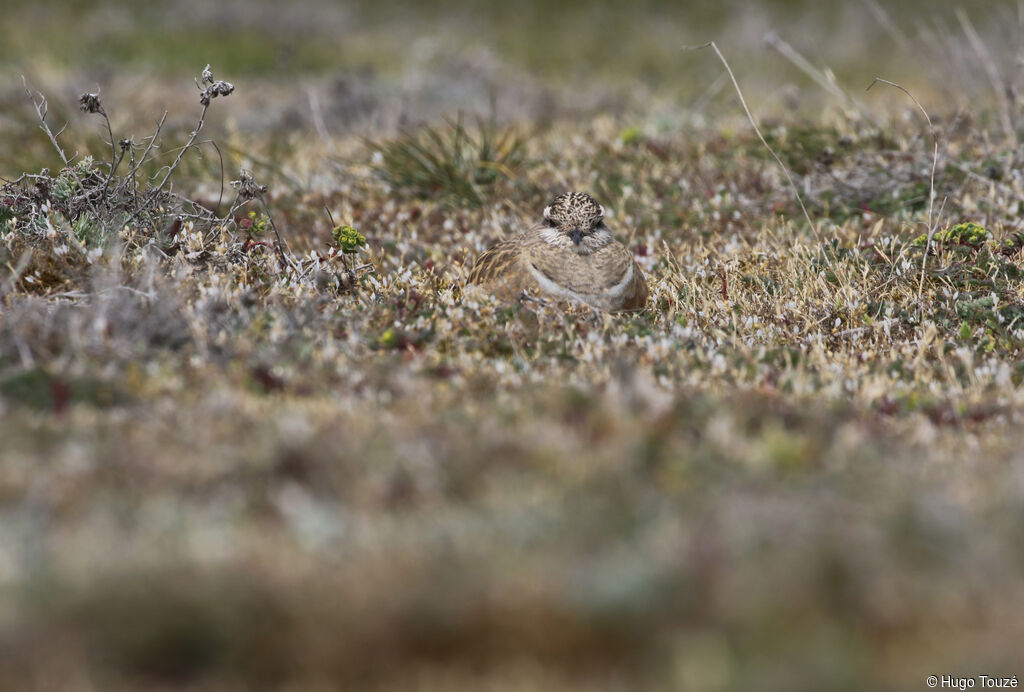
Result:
pixel 574 215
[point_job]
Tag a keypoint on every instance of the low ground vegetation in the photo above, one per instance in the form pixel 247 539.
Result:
pixel 254 434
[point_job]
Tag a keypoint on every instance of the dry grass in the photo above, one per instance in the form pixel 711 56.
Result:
pixel 228 465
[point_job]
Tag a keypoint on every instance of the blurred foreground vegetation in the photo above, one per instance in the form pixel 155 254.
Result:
pixel 256 438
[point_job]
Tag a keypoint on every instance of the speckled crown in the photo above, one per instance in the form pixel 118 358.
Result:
pixel 574 210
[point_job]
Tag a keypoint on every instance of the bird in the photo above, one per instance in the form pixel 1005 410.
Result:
pixel 570 256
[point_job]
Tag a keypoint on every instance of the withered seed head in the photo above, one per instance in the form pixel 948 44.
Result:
pixel 247 186
pixel 214 88
pixel 90 103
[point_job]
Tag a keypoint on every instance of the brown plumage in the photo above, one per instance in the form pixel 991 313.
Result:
pixel 570 256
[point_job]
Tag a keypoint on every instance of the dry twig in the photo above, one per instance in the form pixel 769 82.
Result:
pixel 935 162
pixel 753 123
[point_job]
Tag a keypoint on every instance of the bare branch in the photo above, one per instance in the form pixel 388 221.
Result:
pixel 42 108
pixel 188 145
pixel 149 147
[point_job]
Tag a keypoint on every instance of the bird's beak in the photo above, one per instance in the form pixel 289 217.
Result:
pixel 576 235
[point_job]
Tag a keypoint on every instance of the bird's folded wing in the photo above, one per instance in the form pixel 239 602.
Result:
pixel 495 263
pixel 500 270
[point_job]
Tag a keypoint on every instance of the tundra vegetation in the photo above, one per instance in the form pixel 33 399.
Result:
pixel 252 436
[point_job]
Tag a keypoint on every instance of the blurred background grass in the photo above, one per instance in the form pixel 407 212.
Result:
pixel 618 41
pixel 317 68
pixel 633 41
